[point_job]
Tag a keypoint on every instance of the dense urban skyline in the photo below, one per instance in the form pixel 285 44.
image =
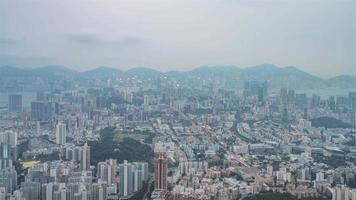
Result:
pixel 177 100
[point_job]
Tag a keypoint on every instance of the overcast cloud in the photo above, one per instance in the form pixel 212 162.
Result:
pixel 318 36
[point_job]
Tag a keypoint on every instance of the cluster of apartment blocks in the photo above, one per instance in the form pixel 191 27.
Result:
pixel 63 180
pixel 70 178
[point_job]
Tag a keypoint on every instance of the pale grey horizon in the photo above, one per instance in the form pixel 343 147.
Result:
pixel 317 36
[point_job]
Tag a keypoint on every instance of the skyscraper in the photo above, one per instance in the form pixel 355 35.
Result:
pixel 15 103
pixel 85 157
pixel 146 100
pixel 107 171
pixel 61 133
pixel 126 178
pixel 31 190
pixel 352 99
pixel 284 96
pixel 161 163
pixel 41 110
pixel 261 94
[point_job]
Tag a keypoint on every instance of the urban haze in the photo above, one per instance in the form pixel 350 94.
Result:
pixel 178 100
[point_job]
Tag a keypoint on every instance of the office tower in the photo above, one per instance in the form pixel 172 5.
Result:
pixel 161 163
pixel 332 103
pixel 291 97
pixel 285 116
pixel 126 179
pixel 41 110
pixel 301 100
pixel 261 94
pixel 352 100
pixel 85 157
pixel 251 88
pixel 15 103
pixel 265 88
pixel 284 96
pixel 146 100
pixel 315 101
pixel 61 133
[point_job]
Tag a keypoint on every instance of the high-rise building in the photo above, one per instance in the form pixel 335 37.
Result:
pixel 332 103
pixel 38 128
pixel 291 96
pixel 251 88
pixel 61 133
pixel 161 164
pixel 40 96
pixel 143 166
pixel 15 103
pixel 137 179
pixel 41 110
pixel 352 100
pixel 8 178
pixel 146 100
pixel 8 175
pixel 85 157
pixel 126 178
pixel 2 193
pixel 107 171
pixel 261 94
pixel 31 190
pixel 315 101
pixel 284 96
pixel 8 142
pixel 9 137
pixel 301 100
pixel 132 176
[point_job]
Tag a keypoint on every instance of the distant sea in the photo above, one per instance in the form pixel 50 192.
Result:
pixel 323 93
pixel 326 93
pixel 28 97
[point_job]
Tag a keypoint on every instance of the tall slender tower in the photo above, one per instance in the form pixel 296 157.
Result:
pixel 161 172
pixel 85 157
pixel 61 133
pixel 126 178
pixel 352 99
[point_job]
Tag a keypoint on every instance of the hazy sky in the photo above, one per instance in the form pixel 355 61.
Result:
pixel 318 36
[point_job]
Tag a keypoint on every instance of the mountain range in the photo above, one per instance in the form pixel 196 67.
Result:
pixel 291 77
